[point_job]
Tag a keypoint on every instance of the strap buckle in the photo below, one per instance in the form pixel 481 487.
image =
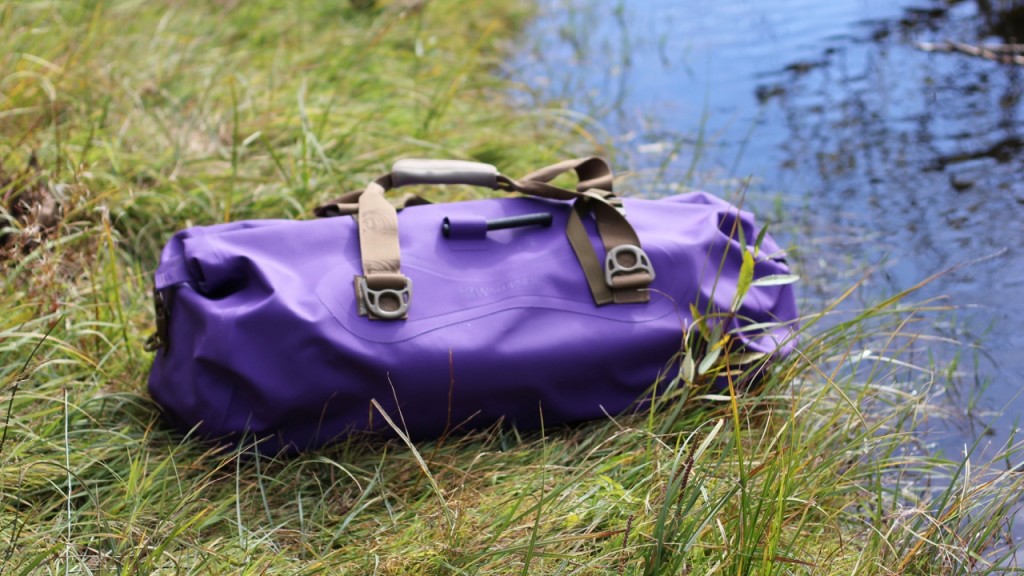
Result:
pixel 158 339
pixel 625 260
pixel 384 303
pixel 606 197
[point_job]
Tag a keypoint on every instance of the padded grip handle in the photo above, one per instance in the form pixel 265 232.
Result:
pixel 420 171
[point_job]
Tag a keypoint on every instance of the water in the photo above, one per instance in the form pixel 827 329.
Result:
pixel 877 153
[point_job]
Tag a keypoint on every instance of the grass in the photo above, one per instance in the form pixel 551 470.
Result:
pixel 146 117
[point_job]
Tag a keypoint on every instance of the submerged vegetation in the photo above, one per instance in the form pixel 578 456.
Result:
pixel 123 121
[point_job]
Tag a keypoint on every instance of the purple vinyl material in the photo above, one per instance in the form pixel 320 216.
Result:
pixel 264 338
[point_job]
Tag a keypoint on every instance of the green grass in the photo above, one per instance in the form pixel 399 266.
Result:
pixel 151 116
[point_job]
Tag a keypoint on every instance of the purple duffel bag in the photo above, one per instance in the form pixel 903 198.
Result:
pixel 555 306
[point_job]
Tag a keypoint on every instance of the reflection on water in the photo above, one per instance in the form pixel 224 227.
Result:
pixel 878 151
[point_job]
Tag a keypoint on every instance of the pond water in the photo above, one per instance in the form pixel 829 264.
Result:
pixel 873 152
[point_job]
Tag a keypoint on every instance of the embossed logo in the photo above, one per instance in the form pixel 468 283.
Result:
pixel 380 266
pixel 378 221
pixel 474 292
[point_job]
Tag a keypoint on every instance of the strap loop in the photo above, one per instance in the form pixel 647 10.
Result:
pixel 382 280
pixel 603 290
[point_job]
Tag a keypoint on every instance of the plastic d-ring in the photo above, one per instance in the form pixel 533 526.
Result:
pixel 371 300
pixel 614 267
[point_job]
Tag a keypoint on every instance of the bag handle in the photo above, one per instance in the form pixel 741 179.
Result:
pixel 594 174
pixel 384 293
pixel 412 171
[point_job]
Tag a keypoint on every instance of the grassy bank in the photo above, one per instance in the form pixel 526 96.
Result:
pixel 144 117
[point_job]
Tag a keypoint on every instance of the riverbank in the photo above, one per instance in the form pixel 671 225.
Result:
pixel 143 118
pixel 838 126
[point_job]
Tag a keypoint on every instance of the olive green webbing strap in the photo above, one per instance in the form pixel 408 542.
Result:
pixel 592 267
pixel 378 232
pixel 348 204
pixel 384 292
pixel 625 289
pixel 593 173
pixel 594 196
